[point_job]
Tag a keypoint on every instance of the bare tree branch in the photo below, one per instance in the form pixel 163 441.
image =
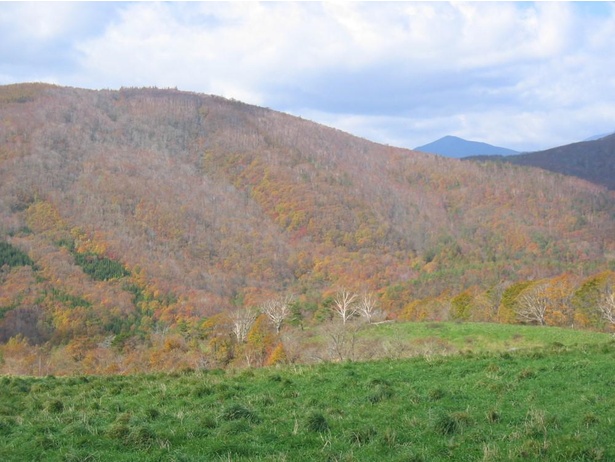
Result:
pixel 533 305
pixel 368 307
pixel 607 306
pixel 344 305
pixel 242 321
pixel 277 310
pixel 342 340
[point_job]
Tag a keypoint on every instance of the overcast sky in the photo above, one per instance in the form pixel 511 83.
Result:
pixel 520 75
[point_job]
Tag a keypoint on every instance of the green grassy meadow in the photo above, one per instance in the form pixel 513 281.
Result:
pixel 551 399
pixel 479 337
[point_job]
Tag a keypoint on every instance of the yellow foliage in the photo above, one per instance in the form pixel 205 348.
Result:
pixel 412 312
pixel 43 217
pixel 277 356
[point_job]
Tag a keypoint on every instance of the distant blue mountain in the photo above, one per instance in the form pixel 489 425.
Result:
pixel 453 146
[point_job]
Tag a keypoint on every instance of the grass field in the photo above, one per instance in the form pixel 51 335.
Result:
pixel 409 339
pixel 480 337
pixel 553 402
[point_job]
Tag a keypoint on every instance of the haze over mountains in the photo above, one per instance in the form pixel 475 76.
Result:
pixel 453 146
pixel 597 137
pixel 207 203
pixel 592 160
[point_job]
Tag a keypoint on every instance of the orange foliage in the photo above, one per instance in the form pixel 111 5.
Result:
pixel 277 356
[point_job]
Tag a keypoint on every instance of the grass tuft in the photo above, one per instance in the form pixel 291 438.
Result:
pixel 316 422
pixel 436 394
pixel 590 419
pixel 141 436
pixel 526 373
pixel 362 436
pixel 452 423
pixel 380 393
pixel 493 416
pixel 237 411
pixel 54 406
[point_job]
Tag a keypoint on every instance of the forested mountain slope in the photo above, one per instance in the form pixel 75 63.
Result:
pixel 153 206
pixel 591 160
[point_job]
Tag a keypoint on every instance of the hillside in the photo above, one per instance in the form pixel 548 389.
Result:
pixel 592 160
pixel 453 146
pixel 126 213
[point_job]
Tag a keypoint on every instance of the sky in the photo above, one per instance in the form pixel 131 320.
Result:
pixel 522 75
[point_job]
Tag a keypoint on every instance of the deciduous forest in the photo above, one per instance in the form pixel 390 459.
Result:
pixel 153 230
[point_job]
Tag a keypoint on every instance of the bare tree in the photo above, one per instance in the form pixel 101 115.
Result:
pixel 277 310
pixel 344 305
pixel 368 307
pixel 242 321
pixel 342 340
pixel 607 305
pixel 533 305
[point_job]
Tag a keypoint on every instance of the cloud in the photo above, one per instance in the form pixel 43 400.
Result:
pixel 37 39
pixel 515 74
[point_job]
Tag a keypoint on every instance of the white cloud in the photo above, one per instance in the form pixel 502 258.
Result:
pixel 37 21
pixel 507 73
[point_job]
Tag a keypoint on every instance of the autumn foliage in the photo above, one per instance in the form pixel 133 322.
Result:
pixel 134 223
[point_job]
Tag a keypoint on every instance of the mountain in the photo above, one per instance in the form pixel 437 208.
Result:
pixel 124 212
pixel 593 160
pixel 452 146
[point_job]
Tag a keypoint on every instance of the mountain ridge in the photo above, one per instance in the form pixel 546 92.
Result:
pixel 591 160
